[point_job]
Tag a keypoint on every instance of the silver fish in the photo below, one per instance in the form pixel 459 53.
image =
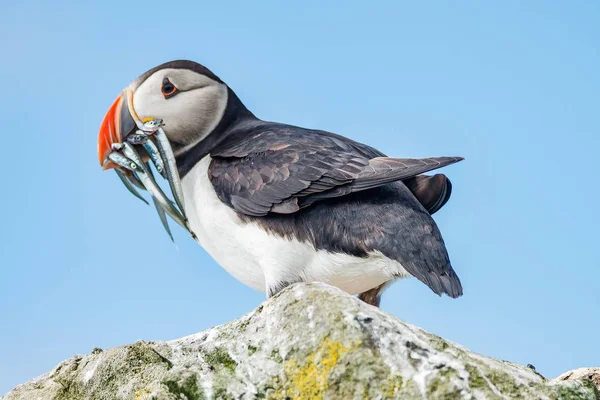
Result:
pixel 133 179
pixel 128 184
pixel 136 181
pixel 137 138
pixel 149 126
pixel 150 184
pixel 155 157
pixel 163 219
pixel 161 213
pixel 153 125
pixel 122 161
pixel 168 157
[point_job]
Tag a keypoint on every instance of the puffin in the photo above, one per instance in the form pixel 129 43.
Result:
pixel 276 204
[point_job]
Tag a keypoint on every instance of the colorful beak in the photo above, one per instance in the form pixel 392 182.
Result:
pixel 118 122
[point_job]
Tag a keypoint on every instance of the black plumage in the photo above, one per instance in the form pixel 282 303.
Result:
pixel 276 168
pixel 318 187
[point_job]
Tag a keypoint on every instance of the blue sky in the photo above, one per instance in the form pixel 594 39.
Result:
pixel 512 86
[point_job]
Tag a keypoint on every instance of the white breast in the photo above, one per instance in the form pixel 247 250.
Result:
pixel 262 260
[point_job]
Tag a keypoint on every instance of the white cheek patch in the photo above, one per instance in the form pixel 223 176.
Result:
pixel 190 115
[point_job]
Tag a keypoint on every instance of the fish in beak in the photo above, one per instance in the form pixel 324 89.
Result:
pixel 121 133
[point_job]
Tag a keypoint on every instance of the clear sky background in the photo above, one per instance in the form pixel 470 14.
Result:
pixel 512 86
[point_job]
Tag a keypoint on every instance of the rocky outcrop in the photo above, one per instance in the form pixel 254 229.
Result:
pixel 311 341
pixel 591 374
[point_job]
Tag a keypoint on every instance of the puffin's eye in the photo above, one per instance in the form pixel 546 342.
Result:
pixel 168 89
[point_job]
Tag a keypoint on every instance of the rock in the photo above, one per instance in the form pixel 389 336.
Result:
pixel 592 374
pixel 311 341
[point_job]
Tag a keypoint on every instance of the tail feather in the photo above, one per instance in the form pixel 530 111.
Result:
pixel 439 280
pixel 433 192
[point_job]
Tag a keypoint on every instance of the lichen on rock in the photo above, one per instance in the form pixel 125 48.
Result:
pixel 311 341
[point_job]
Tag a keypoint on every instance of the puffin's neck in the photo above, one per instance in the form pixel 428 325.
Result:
pixel 236 117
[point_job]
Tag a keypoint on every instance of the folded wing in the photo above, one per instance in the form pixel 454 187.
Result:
pixel 275 172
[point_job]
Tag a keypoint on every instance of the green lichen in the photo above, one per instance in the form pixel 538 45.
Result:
pixel 242 325
pixel 121 365
pixel 163 350
pixel 575 391
pixel 591 387
pixel 437 342
pixel 478 382
pixel 351 353
pixel 219 357
pixel 505 384
pixel 187 387
pixel 442 390
pixel 221 394
pixel 410 390
pixel 359 374
pixel 141 354
pixel 392 387
pixel 69 390
pixel 448 372
pixel 275 356
pixel 363 373
pixel 228 335
pixel 442 387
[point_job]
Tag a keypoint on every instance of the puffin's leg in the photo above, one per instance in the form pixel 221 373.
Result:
pixel 373 296
pixel 272 289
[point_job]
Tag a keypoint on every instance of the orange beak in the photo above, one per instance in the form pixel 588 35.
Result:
pixel 118 122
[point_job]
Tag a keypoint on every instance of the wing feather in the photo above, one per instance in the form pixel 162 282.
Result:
pixel 282 172
pixel 286 169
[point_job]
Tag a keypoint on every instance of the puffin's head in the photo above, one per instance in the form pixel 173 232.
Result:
pixel 186 96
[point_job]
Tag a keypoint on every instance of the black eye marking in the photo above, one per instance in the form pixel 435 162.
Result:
pixel 168 89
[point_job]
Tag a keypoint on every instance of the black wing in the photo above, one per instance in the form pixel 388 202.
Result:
pixel 286 169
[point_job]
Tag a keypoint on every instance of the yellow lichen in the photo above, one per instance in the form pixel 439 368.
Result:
pixel 392 387
pixel 140 394
pixel 307 380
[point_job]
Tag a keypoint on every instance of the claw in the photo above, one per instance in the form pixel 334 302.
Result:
pixel 128 184
pixel 145 175
pixel 167 155
pixel 155 157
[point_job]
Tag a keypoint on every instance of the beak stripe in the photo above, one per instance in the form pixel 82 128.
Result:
pixel 129 95
pixel 118 122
